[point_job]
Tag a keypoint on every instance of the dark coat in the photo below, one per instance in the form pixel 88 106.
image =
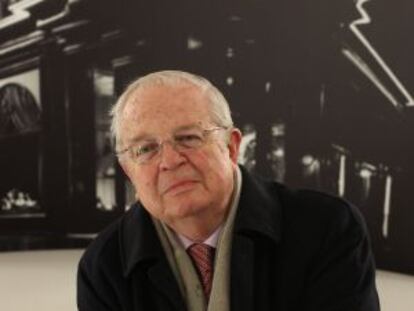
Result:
pixel 292 250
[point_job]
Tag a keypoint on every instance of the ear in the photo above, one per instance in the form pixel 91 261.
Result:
pixel 234 144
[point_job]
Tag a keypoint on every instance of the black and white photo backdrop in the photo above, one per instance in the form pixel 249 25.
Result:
pixel 322 91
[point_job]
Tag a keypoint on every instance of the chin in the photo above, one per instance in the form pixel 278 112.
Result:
pixel 184 208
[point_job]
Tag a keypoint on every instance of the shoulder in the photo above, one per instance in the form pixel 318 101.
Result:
pixel 107 248
pixel 306 204
pixel 306 215
pixel 103 249
pixel 315 219
pixel 114 247
pixel 319 208
pixel 297 211
pixel 101 279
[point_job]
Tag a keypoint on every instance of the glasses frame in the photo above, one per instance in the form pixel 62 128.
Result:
pixel 160 143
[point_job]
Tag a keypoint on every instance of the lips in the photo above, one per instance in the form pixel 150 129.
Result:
pixel 178 186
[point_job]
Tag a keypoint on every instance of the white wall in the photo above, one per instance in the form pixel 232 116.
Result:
pixel 396 291
pixel 41 280
pixel 46 281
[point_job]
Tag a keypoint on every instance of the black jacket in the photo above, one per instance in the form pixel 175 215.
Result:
pixel 292 250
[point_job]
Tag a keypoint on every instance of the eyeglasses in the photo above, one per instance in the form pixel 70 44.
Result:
pixel 144 151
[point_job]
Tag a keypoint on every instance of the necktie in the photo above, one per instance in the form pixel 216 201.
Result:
pixel 202 256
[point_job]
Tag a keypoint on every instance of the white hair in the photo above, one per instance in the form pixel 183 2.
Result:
pixel 219 108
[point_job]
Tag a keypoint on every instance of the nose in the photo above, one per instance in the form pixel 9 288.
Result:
pixel 170 158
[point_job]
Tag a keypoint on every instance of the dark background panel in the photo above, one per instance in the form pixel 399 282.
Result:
pixel 321 90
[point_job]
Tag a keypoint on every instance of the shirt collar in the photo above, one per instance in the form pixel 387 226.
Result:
pixel 211 240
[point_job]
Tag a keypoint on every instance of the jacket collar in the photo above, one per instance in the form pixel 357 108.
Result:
pixel 138 239
pixel 259 212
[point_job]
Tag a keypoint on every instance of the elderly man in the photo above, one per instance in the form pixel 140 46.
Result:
pixel 206 235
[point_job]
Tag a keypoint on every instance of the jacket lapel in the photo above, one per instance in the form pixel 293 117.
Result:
pixel 241 281
pixel 259 210
pixel 258 218
pixel 141 249
pixel 163 279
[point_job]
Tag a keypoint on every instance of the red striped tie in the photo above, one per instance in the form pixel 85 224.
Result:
pixel 203 255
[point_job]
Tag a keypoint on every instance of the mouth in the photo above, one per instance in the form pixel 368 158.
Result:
pixel 181 186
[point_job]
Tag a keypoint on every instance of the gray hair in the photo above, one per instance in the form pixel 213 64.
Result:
pixel 219 107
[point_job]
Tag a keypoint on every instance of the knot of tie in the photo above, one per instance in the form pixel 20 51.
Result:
pixel 203 256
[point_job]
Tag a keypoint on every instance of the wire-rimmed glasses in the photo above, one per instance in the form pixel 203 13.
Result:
pixel 144 151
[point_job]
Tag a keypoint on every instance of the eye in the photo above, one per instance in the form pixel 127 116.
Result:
pixel 189 140
pixel 144 148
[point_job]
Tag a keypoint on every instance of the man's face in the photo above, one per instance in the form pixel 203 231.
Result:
pixel 179 186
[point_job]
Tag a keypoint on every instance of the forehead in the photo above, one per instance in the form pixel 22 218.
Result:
pixel 164 107
pixel 158 99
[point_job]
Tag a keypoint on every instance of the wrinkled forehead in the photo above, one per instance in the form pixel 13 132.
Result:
pixel 156 107
pixel 148 99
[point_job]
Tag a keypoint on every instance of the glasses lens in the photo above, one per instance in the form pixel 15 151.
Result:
pixel 189 140
pixel 144 151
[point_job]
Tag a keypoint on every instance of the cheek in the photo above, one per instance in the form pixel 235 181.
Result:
pixel 216 167
pixel 147 194
pixel 144 186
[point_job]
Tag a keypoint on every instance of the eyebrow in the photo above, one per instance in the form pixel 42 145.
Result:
pixel 146 136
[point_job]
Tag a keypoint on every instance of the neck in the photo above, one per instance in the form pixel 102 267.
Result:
pixel 198 229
